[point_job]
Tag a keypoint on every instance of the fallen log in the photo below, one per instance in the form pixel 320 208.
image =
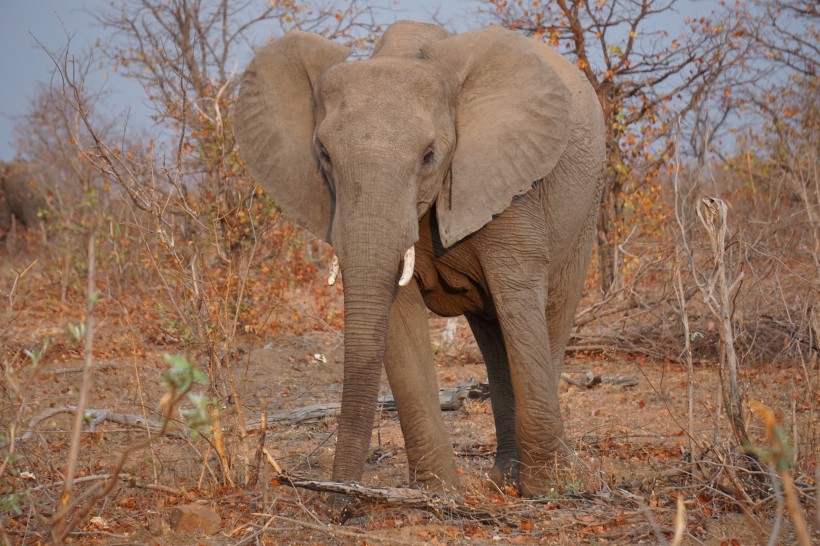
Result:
pixel 450 399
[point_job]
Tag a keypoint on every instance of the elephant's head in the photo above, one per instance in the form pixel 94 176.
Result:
pixel 23 194
pixel 358 151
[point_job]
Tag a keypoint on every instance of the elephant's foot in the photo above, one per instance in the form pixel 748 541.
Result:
pixel 441 486
pixel 341 508
pixel 505 472
pixel 435 474
pixel 545 477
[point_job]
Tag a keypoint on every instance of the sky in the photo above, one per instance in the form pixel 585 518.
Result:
pixel 25 66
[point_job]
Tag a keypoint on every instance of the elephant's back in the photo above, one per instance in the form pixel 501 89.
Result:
pixel 25 185
pixel 571 192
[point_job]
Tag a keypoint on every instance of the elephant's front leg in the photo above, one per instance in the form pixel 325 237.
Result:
pixel 411 372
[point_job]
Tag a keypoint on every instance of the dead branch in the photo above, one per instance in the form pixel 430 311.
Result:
pixel 391 497
pixel 792 332
pixel 450 399
pixel 129 479
pixel 96 416
pixel 598 310
pixel 67 517
pixel 331 530
pixel 591 379
pixel 605 348
pixel 98 366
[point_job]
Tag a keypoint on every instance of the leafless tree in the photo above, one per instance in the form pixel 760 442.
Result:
pixel 645 78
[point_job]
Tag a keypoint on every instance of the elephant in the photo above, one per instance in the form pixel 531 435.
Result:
pixel 456 173
pixel 23 195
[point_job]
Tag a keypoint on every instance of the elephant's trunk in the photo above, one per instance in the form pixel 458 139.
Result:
pixel 373 228
pixel 369 290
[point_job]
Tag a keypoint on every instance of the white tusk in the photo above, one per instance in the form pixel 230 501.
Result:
pixel 334 271
pixel 409 264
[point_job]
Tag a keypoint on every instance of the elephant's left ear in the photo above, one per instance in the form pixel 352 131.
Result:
pixel 513 124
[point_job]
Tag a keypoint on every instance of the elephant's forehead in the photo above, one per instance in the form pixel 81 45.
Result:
pixel 382 81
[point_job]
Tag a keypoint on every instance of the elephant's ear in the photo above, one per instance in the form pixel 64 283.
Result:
pixel 513 124
pixel 275 122
pixel 406 38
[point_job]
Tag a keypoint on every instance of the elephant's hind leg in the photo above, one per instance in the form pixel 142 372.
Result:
pixel 520 304
pixel 487 333
pixel 410 370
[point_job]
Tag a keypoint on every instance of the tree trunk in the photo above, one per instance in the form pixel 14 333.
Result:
pixel 610 217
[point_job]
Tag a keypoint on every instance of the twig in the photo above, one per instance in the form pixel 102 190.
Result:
pixel 712 213
pixel 257 466
pixel 793 506
pixel 653 523
pixel 680 522
pixel 59 522
pixel 778 457
pixel 684 314
pixel 13 289
pixel 779 506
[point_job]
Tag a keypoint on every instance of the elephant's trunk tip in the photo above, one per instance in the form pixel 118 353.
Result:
pixel 409 265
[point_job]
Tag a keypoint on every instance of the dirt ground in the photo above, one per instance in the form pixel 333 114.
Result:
pixel 632 441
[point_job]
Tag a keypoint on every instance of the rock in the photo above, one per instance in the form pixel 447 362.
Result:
pixel 195 518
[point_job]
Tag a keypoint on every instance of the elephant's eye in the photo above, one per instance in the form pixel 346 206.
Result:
pixel 429 156
pixel 323 154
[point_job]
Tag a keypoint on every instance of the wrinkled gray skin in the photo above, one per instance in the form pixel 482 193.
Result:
pixel 483 150
pixel 22 195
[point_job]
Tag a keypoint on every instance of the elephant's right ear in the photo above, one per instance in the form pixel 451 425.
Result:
pixel 512 121
pixel 275 121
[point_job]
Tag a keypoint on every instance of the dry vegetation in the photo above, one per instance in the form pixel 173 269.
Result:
pixel 704 293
